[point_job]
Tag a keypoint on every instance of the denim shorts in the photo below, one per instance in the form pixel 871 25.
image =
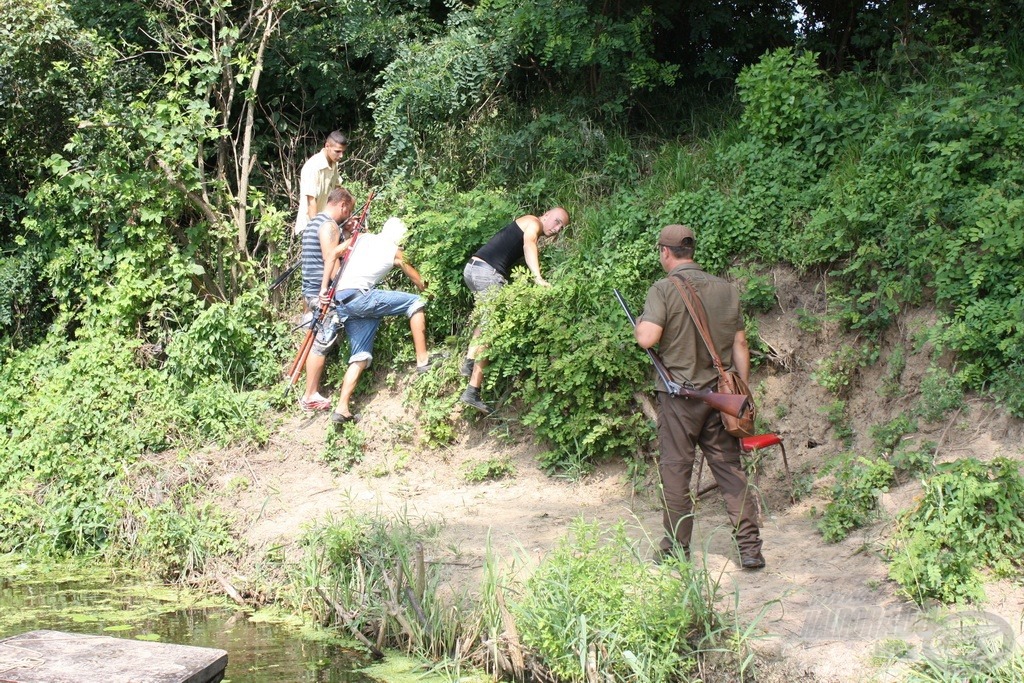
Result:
pixel 480 277
pixel 362 314
pixel 327 335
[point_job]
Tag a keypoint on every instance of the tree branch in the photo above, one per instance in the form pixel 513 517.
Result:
pixel 197 201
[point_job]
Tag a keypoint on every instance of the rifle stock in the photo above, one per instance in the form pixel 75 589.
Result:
pixel 730 404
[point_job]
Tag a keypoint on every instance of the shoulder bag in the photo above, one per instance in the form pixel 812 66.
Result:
pixel 729 382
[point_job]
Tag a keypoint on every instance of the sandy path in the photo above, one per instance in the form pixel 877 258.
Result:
pixel 820 612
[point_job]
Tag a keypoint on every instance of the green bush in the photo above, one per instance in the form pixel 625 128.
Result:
pixel 920 460
pixel 940 393
pixel 215 411
pixel 887 437
pixel 76 416
pixel 573 364
pixel 757 292
pixel 837 373
pixel 341 541
pixel 238 343
pixel 854 495
pixel 375 577
pixel 176 541
pixel 593 594
pixel 73 416
pixel 344 447
pixel 968 520
pixel 783 96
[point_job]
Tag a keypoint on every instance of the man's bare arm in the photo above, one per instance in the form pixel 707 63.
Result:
pixel 741 355
pixel 310 207
pixel 647 334
pixel 409 271
pixel 531 252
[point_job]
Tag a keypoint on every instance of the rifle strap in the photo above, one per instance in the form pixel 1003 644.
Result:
pixel 699 316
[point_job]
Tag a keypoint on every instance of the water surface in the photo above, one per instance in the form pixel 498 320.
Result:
pixel 259 651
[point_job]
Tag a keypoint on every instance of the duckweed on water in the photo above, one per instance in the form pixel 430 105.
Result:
pixel 90 594
pixel 398 669
pixel 268 646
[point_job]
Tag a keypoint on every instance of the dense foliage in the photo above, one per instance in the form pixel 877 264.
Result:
pixel 77 417
pixel 593 605
pixel 148 155
pixel 968 521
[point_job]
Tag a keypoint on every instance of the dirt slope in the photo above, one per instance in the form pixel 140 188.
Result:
pixel 823 612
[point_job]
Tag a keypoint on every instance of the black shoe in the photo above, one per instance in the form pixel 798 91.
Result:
pixel 431 362
pixel 660 555
pixel 753 561
pixel 339 419
pixel 466 369
pixel 471 397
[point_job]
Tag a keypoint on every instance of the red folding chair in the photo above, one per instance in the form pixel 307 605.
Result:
pixel 752 444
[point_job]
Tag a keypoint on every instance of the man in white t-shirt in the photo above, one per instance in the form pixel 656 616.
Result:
pixel 362 307
pixel 318 177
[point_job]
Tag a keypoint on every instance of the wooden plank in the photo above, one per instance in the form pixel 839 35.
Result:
pixel 57 657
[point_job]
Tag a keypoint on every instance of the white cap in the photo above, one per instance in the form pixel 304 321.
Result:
pixel 394 230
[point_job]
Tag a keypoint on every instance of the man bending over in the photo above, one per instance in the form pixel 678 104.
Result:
pixel 362 307
pixel 489 269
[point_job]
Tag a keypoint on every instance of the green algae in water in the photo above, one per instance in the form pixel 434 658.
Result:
pixel 76 594
pixel 97 600
pixel 398 669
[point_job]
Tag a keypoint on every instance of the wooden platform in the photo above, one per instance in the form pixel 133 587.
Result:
pixel 57 657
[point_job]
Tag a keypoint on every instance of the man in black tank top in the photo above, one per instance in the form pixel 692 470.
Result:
pixel 489 269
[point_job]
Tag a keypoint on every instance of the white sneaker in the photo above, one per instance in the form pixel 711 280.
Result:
pixel 314 403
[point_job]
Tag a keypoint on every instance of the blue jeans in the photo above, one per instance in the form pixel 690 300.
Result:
pixel 362 314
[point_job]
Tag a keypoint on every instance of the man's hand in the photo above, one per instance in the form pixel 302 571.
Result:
pixel 342 248
pixel 542 282
pixel 323 298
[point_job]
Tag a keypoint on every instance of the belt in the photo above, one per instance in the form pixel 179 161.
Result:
pixel 479 262
pixel 351 297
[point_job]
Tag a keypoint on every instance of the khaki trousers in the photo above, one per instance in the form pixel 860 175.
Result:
pixel 683 424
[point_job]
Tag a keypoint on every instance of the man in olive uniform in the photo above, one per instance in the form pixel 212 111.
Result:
pixel 683 424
